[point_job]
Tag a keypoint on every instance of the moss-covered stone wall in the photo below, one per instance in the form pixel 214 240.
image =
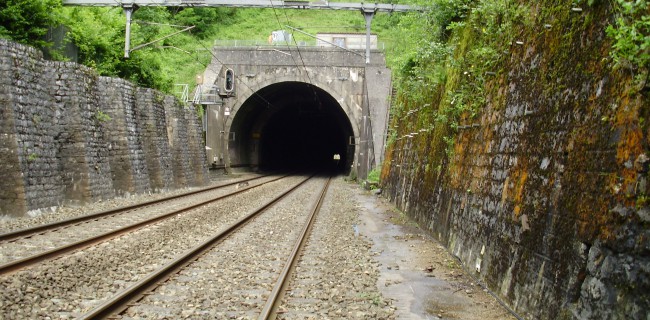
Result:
pixel 543 194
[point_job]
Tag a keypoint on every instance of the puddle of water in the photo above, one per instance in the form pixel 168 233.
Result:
pixel 398 279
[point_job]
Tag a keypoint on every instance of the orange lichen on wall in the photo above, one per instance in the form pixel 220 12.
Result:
pixel 456 166
pixel 388 158
pixel 519 188
pixel 629 147
pixel 478 177
pixel 595 220
pixel 553 174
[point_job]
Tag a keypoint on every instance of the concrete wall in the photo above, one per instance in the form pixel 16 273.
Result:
pixel 70 136
pixel 544 196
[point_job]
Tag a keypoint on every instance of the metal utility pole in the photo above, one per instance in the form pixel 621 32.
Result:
pixel 368 14
pixel 128 10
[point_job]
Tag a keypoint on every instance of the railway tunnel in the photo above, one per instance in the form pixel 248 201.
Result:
pixel 293 125
pixel 279 114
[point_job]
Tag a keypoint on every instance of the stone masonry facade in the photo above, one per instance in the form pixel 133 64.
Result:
pixel 69 136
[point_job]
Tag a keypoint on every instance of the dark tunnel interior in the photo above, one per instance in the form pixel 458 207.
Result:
pixel 298 126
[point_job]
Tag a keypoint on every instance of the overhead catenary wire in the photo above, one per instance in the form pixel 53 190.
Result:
pixel 311 84
pixel 208 66
pixel 292 57
pixel 158 24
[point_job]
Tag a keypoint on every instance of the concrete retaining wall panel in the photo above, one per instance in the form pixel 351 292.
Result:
pixel 196 147
pixel 83 149
pixel 30 158
pixel 129 170
pixel 177 135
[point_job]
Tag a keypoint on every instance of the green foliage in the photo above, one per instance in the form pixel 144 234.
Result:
pixel 373 175
pixel 102 117
pixel 441 69
pixel 372 297
pixel 207 21
pixel 27 21
pixel 392 137
pixel 32 157
pixel 98 33
pixel 631 37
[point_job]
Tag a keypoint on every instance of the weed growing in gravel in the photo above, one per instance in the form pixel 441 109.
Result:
pixel 373 297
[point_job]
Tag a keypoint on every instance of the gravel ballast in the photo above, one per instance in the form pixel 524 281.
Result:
pixel 37 243
pixel 336 277
pixel 71 285
pixel 63 212
pixel 363 260
pixel 233 280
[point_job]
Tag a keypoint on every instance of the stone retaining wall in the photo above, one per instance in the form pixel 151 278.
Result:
pixel 544 195
pixel 70 136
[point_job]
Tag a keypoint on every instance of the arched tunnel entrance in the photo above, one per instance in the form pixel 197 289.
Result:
pixel 293 125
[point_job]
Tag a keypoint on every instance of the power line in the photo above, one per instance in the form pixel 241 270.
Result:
pixel 207 66
pixel 289 48
pixel 158 24
pixel 311 84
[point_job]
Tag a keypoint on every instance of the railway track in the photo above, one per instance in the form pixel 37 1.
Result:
pixel 27 232
pixel 22 248
pixel 236 276
pixel 206 254
pixel 78 281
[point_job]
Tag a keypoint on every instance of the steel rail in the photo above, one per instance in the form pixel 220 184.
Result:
pixel 22 263
pixel 275 298
pixel 23 233
pixel 121 301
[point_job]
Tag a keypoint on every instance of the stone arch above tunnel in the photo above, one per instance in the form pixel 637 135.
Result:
pixel 347 103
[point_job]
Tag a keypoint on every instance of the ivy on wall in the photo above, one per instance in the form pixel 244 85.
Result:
pixel 631 38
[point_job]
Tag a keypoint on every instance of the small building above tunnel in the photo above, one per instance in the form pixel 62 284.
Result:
pixel 296 107
pixel 346 40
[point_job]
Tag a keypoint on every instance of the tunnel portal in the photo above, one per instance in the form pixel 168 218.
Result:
pixel 293 125
pixel 281 114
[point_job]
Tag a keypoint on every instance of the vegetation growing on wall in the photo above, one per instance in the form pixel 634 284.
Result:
pixel 27 21
pixel 631 35
pixel 440 77
pixel 520 130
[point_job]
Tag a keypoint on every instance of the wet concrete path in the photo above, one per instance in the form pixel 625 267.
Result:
pixel 420 277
